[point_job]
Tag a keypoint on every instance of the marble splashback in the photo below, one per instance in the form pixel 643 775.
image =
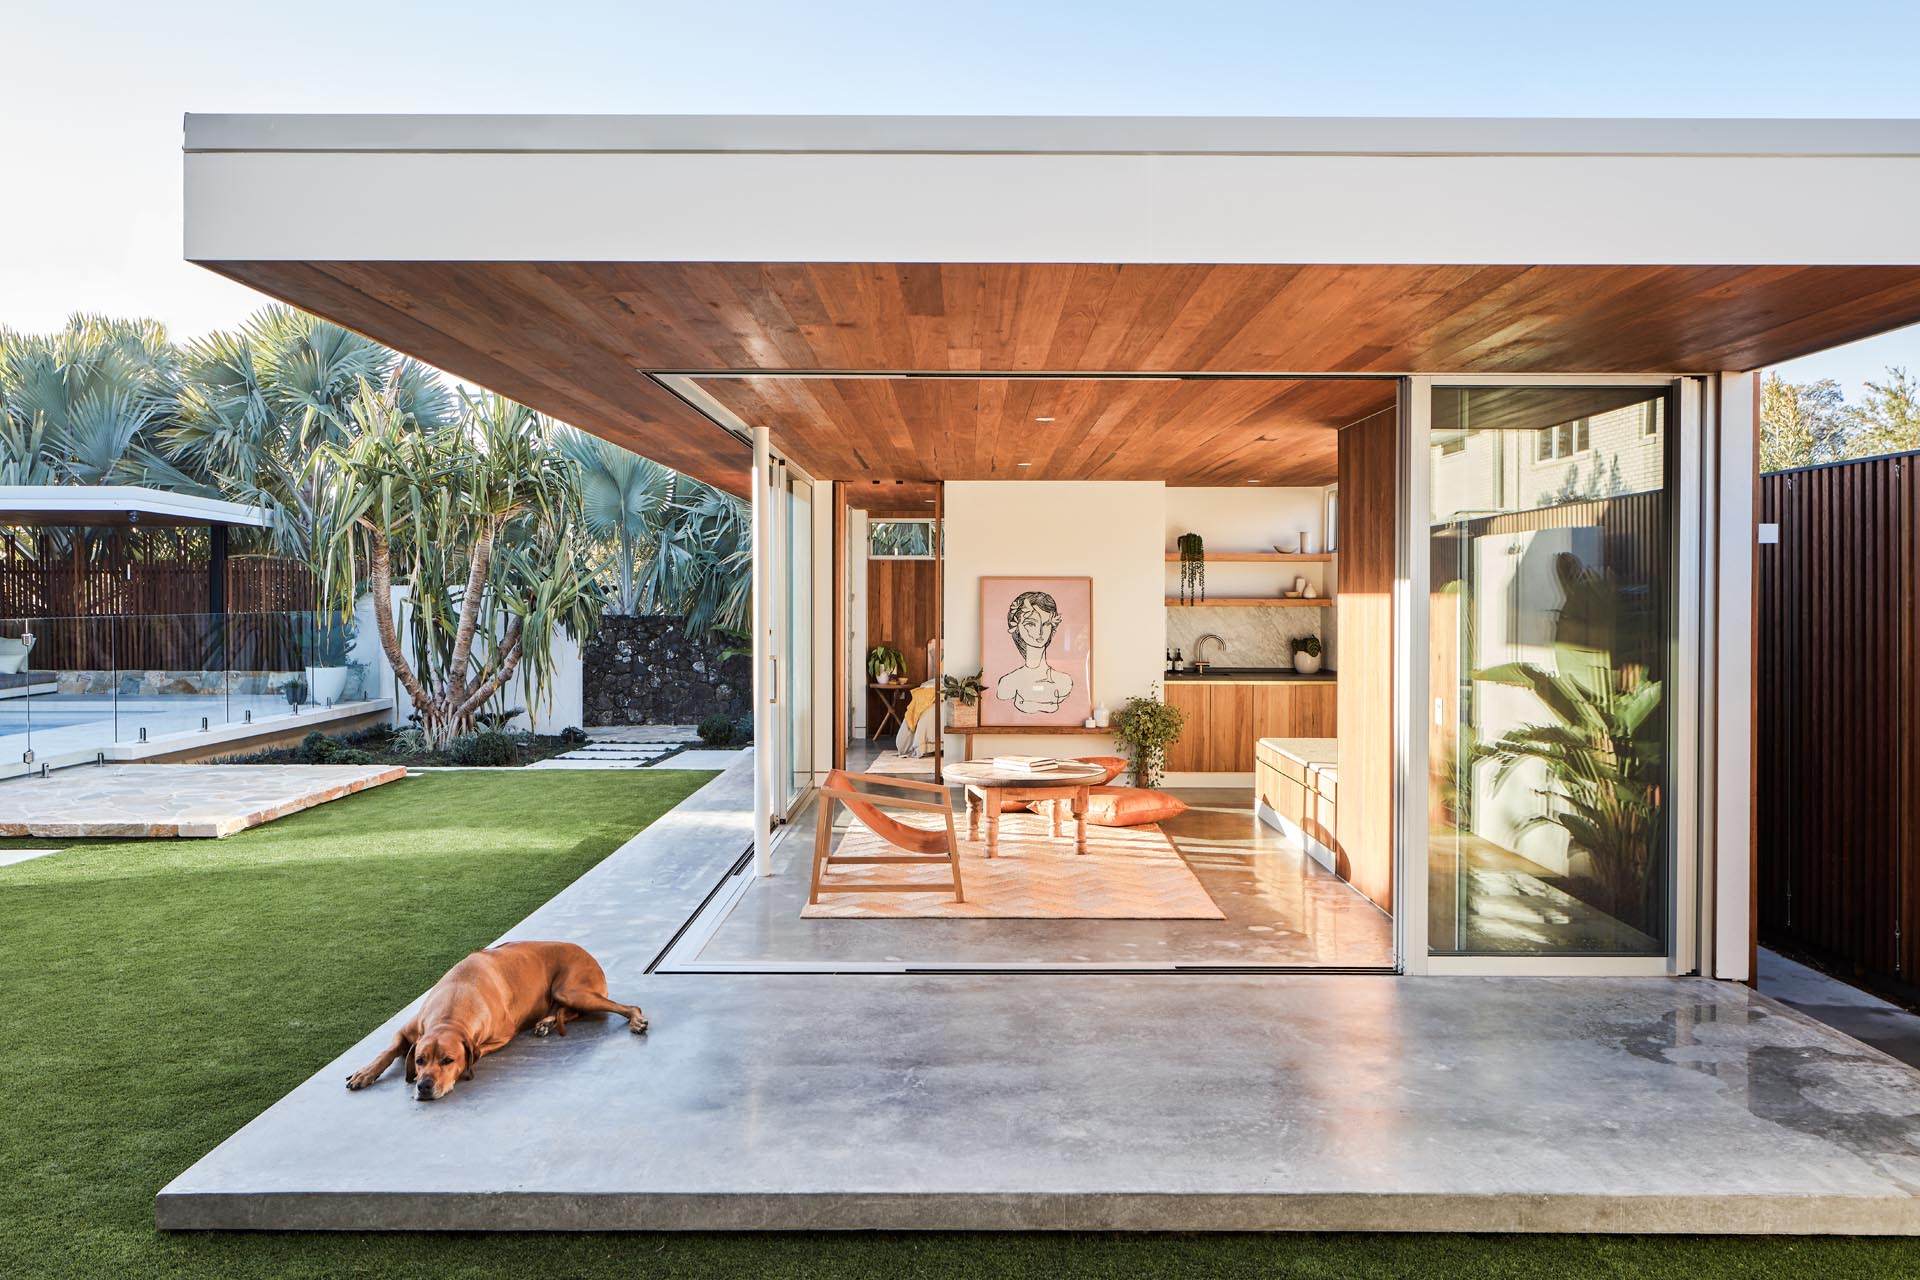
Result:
pixel 1255 637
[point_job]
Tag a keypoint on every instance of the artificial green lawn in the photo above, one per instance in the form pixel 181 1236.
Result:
pixel 156 995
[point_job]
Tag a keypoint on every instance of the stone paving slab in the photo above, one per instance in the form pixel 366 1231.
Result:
pixel 174 800
pixel 1084 1101
pixel 702 759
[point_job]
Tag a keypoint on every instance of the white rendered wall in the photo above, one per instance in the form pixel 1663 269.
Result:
pixel 564 705
pixel 1250 518
pixel 1113 532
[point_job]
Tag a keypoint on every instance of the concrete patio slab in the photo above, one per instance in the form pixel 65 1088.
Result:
pixel 169 800
pixel 1333 1102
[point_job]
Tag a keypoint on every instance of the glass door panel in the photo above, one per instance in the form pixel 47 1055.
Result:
pixel 796 680
pixel 1551 635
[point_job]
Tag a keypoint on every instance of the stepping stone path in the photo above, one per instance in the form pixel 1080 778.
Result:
pixel 640 747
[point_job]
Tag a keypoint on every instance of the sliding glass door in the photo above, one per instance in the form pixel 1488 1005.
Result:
pixel 1550 651
pixel 795 694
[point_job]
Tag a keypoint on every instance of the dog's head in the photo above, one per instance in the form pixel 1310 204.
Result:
pixel 440 1059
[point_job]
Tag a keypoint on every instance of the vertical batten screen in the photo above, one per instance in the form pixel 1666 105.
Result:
pixel 1838 711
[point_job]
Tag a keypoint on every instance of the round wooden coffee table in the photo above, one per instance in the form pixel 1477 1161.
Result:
pixel 989 789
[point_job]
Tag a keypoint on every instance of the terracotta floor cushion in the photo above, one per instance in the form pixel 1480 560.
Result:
pixel 1125 806
pixel 1114 765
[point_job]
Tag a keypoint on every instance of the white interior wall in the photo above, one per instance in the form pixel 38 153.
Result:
pixel 1251 518
pixel 1110 531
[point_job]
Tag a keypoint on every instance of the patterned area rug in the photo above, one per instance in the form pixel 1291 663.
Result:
pixel 1127 873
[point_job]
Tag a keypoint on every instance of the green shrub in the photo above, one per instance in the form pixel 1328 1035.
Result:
pixel 318 748
pixel 488 748
pixel 574 736
pixel 716 730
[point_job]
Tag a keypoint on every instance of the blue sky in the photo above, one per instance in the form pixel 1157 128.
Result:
pixel 94 92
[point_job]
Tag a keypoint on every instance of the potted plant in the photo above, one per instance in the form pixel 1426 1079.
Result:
pixel 964 693
pixel 1148 726
pixel 332 641
pixel 1193 567
pixel 1306 654
pixel 885 664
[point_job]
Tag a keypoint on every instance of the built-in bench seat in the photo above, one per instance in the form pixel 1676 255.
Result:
pixel 1296 781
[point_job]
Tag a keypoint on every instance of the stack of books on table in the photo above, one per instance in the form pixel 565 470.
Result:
pixel 1026 764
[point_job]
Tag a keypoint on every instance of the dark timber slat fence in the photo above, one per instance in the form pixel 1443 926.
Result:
pixel 1838 715
pixel 137 600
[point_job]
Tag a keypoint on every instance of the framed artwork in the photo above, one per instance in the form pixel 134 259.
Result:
pixel 1036 650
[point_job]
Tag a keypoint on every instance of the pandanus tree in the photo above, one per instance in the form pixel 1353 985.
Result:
pixel 479 518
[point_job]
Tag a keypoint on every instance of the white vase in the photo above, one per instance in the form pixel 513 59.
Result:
pixel 1102 717
pixel 1306 663
pixel 327 684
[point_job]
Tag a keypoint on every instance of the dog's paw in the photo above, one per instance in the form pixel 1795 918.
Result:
pixel 637 1025
pixel 358 1080
pixel 544 1027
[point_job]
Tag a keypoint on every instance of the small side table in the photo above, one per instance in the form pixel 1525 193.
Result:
pixel 893 704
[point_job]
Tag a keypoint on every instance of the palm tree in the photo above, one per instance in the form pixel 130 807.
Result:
pixel 624 499
pixel 82 405
pixel 702 567
pixel 258 408
pixel 480 520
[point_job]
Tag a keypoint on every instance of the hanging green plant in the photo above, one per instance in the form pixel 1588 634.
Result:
pixel 1193 568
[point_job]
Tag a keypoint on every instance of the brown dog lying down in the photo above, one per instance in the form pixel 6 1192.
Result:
pixel 488 999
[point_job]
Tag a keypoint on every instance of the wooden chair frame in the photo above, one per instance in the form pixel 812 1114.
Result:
pixel 823 837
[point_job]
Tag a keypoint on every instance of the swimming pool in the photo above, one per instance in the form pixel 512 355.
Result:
pixel 12 722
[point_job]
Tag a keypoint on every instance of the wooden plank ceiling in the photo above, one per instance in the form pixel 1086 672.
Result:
pixel 578 340
pixel 1183 431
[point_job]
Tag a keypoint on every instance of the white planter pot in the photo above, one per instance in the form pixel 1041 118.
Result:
pixel 326 684
pixel 1306 663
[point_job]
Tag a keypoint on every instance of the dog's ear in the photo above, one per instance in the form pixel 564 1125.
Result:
pixel 473 1056
pixel 406 1058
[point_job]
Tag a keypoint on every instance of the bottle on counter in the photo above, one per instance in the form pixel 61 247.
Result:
pixel 1179 660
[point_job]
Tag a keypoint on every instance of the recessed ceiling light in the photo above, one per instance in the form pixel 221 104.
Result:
pixel 1253 482
pixel 1023 464
pixel 1043 419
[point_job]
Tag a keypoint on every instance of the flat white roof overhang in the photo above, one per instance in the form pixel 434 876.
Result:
pixel 662 280
pixel 1014 189
pixel 117 505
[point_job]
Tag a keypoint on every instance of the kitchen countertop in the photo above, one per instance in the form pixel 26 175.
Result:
pixel 1249 675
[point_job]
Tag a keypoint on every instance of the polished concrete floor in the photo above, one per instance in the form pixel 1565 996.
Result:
pixel 1283 910
pixel 1129 1101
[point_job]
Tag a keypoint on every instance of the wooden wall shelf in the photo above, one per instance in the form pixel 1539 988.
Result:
pixel 1261 557
pixel 1251 602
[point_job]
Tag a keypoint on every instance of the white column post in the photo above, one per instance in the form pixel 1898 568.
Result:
pixel 1738 469
pixel 765 662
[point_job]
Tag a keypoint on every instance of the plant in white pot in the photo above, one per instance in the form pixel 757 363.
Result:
pixel 885 664
pixel 1306 654
pixel 332 641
